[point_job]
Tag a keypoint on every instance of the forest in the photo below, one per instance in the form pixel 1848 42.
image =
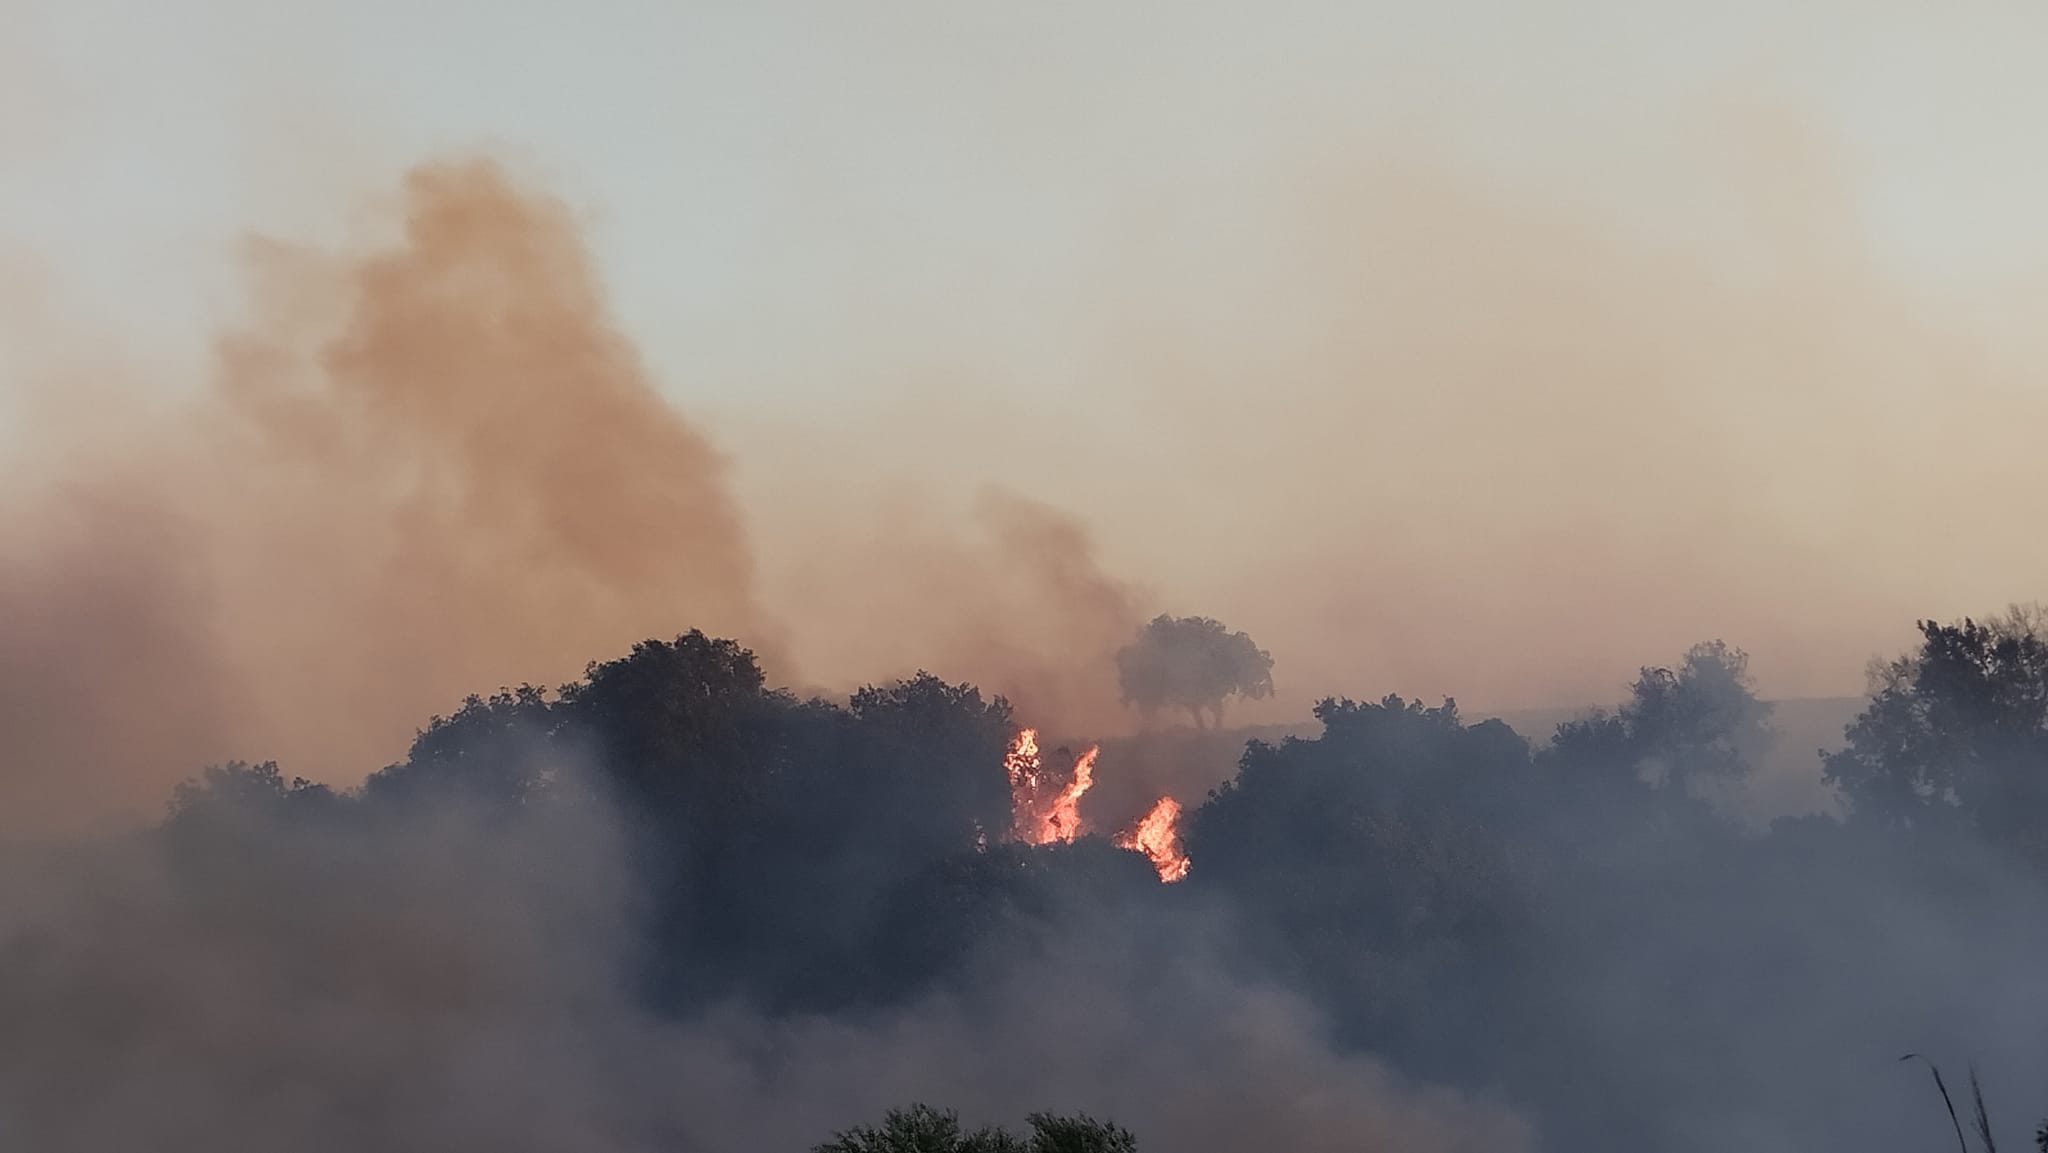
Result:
pixel 1569 933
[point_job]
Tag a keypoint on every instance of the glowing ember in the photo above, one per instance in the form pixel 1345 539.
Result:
pixel 1042 810
pixel 1157 835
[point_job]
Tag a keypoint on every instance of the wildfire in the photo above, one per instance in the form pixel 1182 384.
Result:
pixel 1046 807
pixel 1157 835
pixel 1062 821
pixel 1021 762
pixel 1040 816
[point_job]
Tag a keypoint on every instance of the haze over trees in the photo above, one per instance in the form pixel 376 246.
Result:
pixel 1191 663
pixel 1577 927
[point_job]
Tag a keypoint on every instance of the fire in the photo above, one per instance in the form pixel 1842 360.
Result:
pixel 1062 822
pixel 1036 818
pixel 1157 835
pixel 1021 762
pixel 1046 807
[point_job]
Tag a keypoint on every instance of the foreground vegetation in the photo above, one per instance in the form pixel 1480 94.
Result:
pixel 922 1129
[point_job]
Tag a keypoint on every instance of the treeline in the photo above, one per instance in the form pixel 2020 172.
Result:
pixel 1578 925
pixel 800 854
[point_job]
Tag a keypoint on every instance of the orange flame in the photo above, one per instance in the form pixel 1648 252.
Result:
pixel 1037 819
pixel 1062 821
pixel 1021 762
pixel 1157 835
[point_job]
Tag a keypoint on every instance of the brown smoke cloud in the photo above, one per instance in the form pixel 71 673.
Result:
pixel 428 466
pixel 423 469
pixel 1007 592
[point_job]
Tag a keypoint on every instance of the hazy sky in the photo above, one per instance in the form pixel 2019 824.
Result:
pixel 1473 347
pixel 734 152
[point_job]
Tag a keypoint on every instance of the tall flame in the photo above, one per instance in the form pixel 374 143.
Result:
pixel 1157 835
pixel 1036 818
pixel 1062 820
pixel 1021 762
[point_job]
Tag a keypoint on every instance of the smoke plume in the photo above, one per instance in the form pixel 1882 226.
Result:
pixel 1412 428
pixel 1006 592
pixel 422 468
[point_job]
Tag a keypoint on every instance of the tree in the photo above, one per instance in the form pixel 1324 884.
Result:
pixel 1956 735
pixel 919 773
pixel 239 790
pixel 1685 730
pixel 497 748
pixel 1078 1134
pixel 1370 864
pixel 1191 663
pixel 676 722
pixel 923 1129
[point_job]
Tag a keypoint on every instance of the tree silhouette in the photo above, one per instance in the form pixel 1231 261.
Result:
pixel 1956 735
pixel 1686 730
pixel 494 748
pixel 923 1129
pixel 239 788
pixel 1444 895
pixel 1191 663
pixel 1369 861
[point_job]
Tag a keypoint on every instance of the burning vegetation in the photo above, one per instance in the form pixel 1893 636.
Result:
pixel 1046 807
pixel 1157 835
pixel 521 935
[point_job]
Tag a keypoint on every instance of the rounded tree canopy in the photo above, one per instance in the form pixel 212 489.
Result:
pixel 1192 663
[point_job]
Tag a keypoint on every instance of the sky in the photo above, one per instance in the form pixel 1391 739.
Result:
pixel 1470 347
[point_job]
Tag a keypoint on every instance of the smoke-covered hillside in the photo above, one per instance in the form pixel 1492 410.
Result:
pixel 751 887
pixel 669 908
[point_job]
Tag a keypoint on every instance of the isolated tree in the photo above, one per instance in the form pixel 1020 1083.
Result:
pixel 1191 663
pixel 923 1129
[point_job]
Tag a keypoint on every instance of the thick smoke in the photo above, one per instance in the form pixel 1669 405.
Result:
pixel 432 465
pixel 447 981
pixel 423 467
pixel 473 458
pixel 427 465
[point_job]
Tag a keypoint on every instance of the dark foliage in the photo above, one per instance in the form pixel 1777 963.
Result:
pixel 1956 737
pixel 1579 927
pixel 922 1129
